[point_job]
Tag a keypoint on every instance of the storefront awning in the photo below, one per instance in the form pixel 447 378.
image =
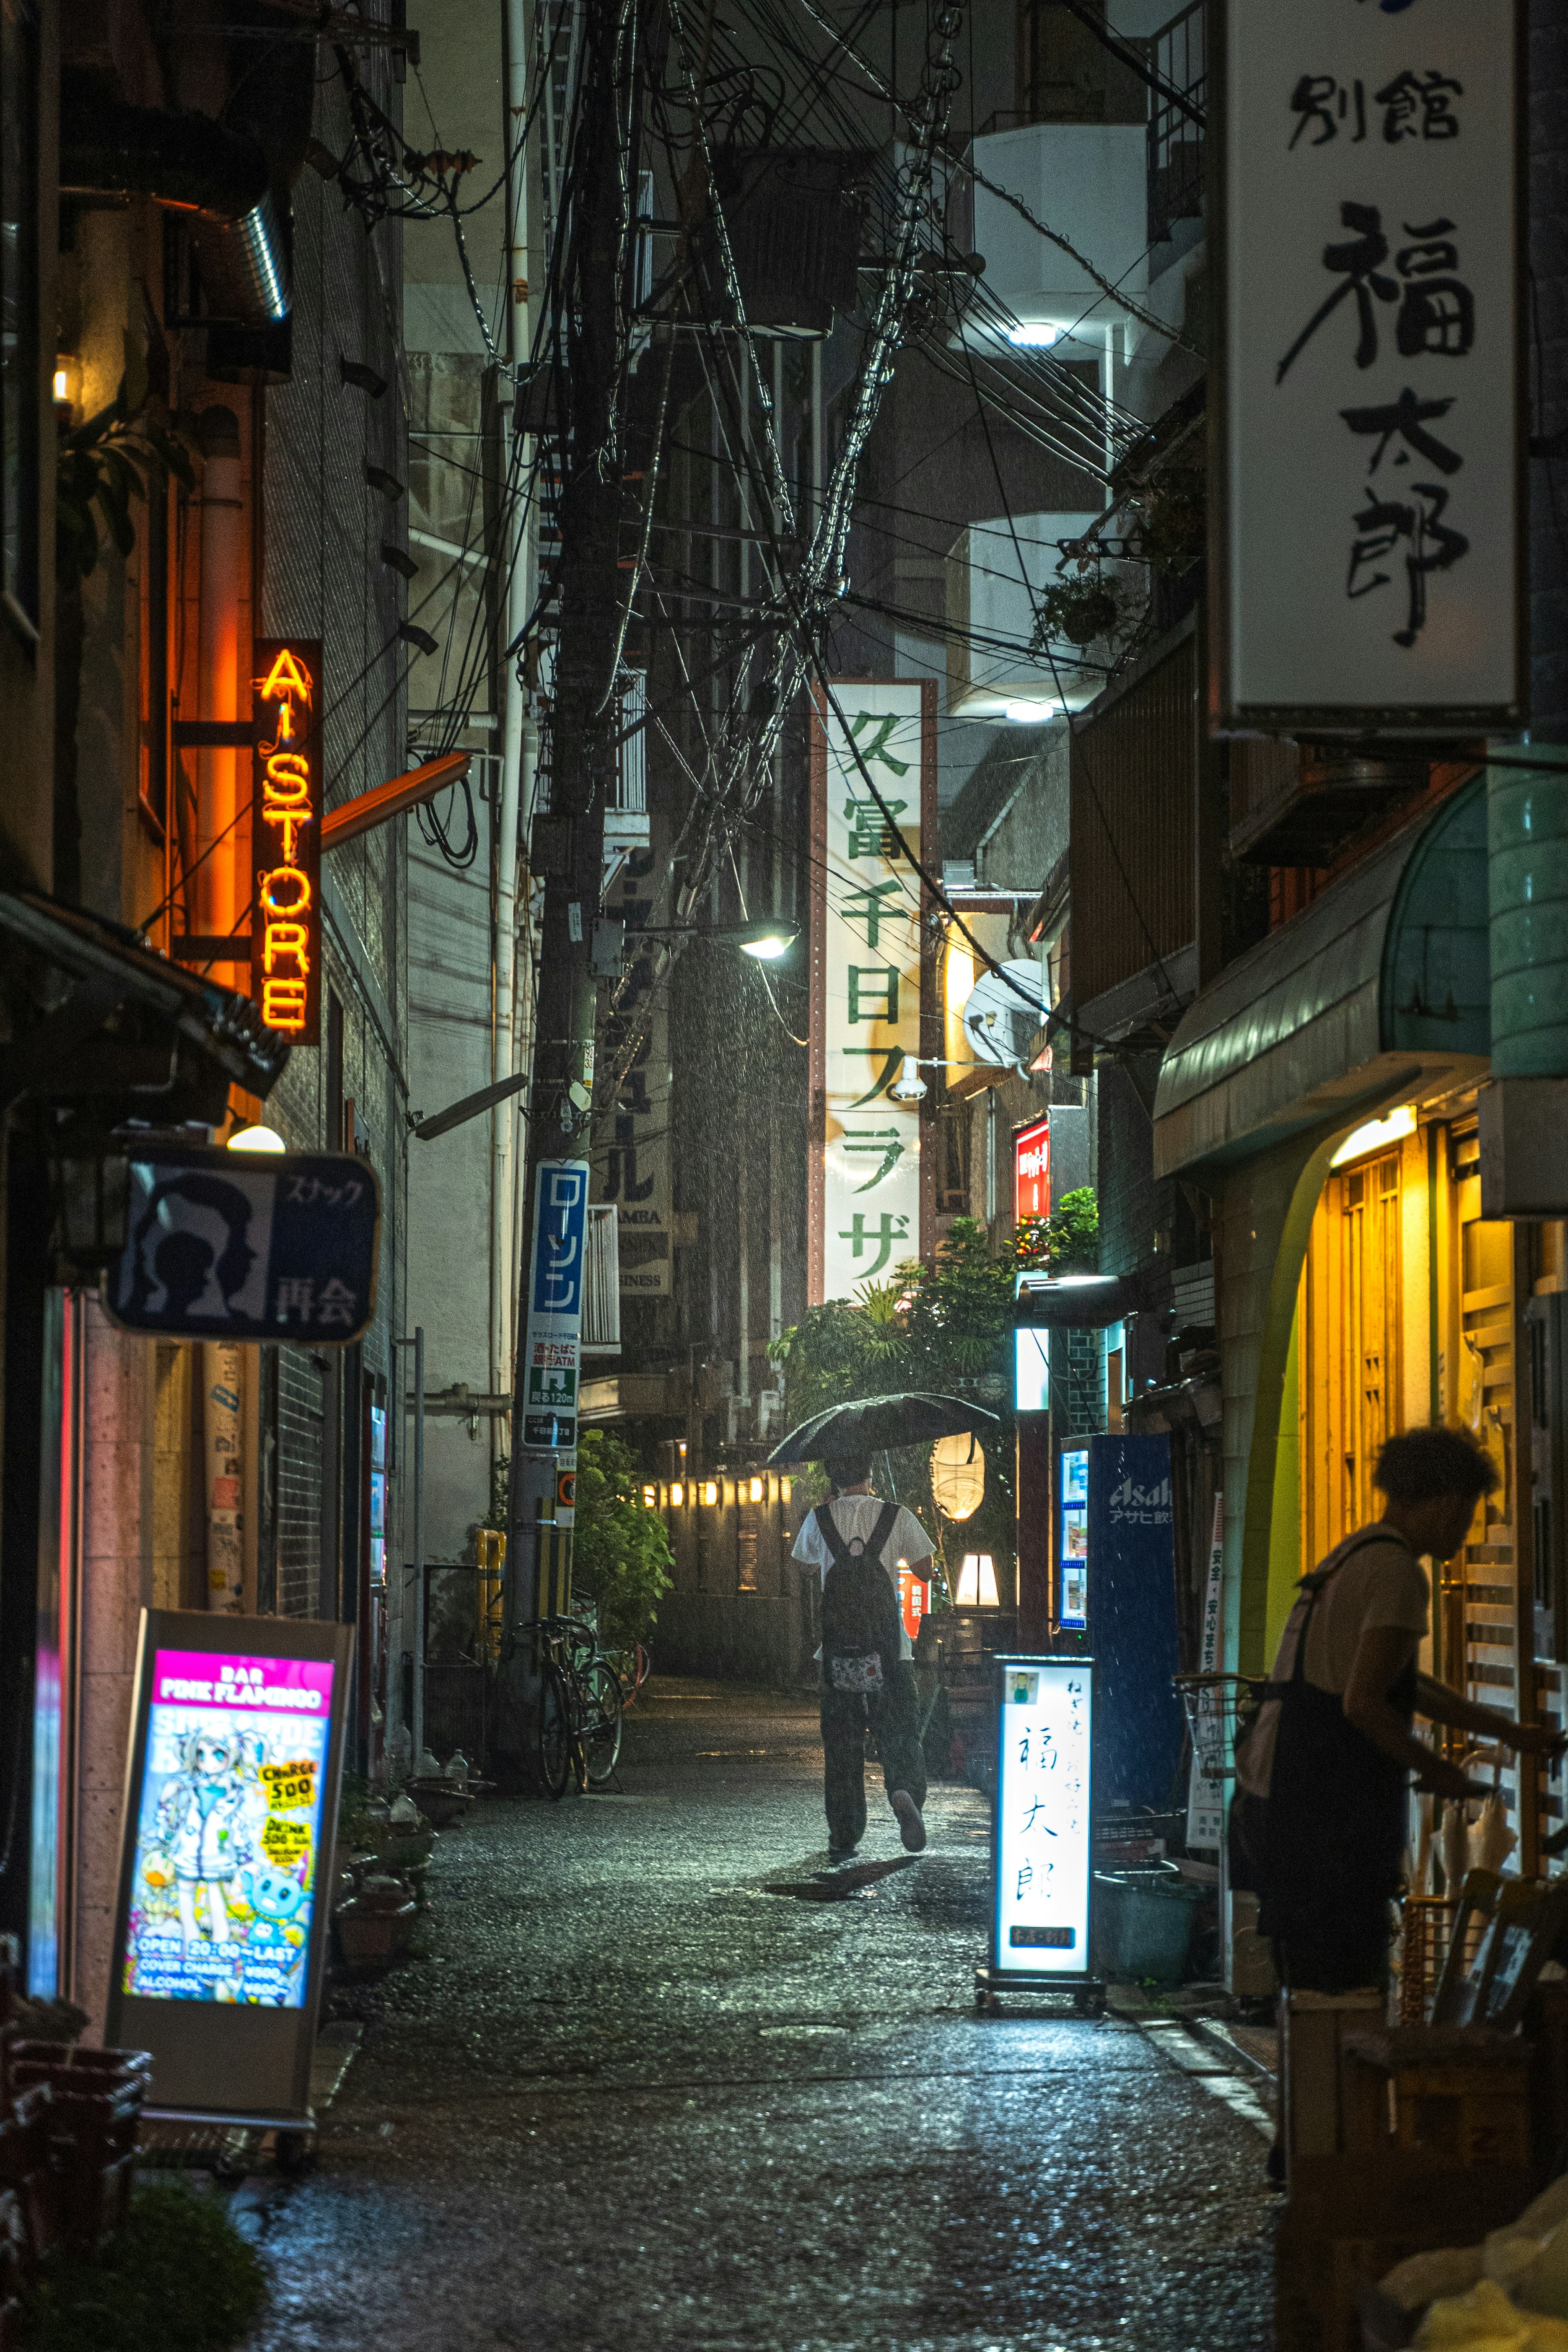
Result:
pixel 107 1034
pixel 1383 983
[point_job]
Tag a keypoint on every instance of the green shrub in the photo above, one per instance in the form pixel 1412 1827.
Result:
pixel 177 2278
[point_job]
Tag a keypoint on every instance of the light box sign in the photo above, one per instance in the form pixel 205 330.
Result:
pixel 552 1342
pixel 1031 1369
pixel 914 1600
pixel 286 836
pixel 1072 1536
pixel 1040 1914
pixel 231 1799
pixel 238 1246
pixel 1032 1169
pixel 865 1193
pixel 1368 466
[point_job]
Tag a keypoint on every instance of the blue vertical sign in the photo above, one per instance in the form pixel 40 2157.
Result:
pixel 1140 1727
pixel 553 1343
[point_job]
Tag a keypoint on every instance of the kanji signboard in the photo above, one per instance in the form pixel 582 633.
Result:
pixel 873 777
pixel 231 1246
pixel 631 1133
pixel 1367 467
pixel 1040 1917
pixel 1031 1167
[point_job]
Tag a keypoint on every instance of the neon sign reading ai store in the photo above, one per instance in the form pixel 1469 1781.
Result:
pixel 285 835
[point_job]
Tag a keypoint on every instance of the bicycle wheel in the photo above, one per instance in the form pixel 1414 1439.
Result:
pixel 601 1732
pixel 554 1735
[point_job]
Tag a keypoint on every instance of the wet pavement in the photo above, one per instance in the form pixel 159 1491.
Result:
pixel 626 2095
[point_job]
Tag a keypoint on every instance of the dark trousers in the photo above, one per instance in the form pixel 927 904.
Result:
pixel 892 1716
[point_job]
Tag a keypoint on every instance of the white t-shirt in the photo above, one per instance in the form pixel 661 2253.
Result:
pixel 856 1516
pixel 1380 1583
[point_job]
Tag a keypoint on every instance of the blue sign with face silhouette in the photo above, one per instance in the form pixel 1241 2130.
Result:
pixel 229 1245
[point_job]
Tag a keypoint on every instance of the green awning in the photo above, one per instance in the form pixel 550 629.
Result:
pixel 1383 981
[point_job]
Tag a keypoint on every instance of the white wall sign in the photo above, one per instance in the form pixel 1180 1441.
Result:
pixel 865 988
pixel 1367 473
pixel 1206 1786
pixel 1041 1923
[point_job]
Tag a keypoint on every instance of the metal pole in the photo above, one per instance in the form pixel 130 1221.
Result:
pixel 416 1728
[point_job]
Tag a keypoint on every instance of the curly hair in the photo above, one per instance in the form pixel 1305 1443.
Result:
pixel 1422 1464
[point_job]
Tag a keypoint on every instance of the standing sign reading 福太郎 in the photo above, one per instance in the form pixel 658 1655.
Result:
pixel 1039 1919
pixel 866 1190
pixel 226 1856
pixel 1366 449
pixel 286 836
pixel 552 1345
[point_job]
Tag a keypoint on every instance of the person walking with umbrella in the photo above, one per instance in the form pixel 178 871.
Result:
pixel 858 1543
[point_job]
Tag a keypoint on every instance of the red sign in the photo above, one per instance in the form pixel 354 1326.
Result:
pixel 286 836
pixel 1031 1169
pixel 914 1600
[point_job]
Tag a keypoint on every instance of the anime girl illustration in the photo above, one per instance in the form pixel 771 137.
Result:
pixel 204 1824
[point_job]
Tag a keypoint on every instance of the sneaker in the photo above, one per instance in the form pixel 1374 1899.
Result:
pixel 911 1828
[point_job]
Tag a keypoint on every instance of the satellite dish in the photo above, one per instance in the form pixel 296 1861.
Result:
pixel 998 1022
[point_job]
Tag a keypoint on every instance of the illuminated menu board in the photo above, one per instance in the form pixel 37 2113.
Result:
pixel 1072 1536
pixel 1041 1925
pixel 286 836
pixel 228 1828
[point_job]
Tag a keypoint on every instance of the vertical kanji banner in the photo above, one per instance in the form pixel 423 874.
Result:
pixel 867 974
pixel 1365 455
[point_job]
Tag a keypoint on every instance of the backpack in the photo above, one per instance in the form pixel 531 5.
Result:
pixel 861 1624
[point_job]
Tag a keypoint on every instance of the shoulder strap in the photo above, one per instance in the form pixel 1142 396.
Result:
pixel 838 1549
pixel 886 1521
pixel 1310 1590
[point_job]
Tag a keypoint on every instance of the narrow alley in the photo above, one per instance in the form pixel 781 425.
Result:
pixel 634 2090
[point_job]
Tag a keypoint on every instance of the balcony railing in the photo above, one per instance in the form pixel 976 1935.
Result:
pixel 1179 56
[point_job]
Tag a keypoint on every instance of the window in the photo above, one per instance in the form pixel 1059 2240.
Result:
pixel 19 308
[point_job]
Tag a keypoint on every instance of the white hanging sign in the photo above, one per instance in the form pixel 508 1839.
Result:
pixel 865 1005
pixel 1367 467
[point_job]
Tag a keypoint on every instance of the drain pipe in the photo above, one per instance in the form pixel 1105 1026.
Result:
pixel 1524 1111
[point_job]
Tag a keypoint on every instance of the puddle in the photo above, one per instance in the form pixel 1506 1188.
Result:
pixel 838 1886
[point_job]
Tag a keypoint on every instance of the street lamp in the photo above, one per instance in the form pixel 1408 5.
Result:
pixel 767 942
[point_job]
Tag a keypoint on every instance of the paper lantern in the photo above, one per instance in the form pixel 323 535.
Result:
pixel 958 1476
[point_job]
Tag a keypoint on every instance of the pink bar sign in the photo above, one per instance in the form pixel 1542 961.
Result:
pixel 301 1686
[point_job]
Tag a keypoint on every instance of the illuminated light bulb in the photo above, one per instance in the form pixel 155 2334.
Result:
pixel 1033 335
pixel 1376 1135
pixel 256 1138
pixel 677 1494
pixel 769 949
pixel 1029 714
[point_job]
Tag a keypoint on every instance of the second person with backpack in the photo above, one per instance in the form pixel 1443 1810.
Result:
pixel 868 1680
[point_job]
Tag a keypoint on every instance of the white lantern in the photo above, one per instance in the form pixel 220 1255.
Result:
pixel 958 1476
pixel 977 1583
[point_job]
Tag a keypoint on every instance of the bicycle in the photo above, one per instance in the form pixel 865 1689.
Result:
pixel 632 1666
pixel 579 1732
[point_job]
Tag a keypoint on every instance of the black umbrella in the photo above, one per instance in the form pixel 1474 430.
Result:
pixel 868 1425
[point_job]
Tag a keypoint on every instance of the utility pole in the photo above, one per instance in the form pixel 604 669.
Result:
pixel 588 377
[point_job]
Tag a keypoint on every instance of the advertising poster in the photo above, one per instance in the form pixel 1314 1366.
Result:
pixel 1041 1925
pixel 866 1190
pixel 1073 1538
pixel 226 1875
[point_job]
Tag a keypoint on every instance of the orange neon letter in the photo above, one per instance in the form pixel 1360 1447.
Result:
pixel 286 942
pixel 295 905
pixel 287 677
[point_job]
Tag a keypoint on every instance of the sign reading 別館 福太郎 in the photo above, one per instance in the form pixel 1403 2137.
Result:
pixel 231 1246
pixel 553 1338
pixel 865 1193
pixel 1366 466
pixel 286 836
